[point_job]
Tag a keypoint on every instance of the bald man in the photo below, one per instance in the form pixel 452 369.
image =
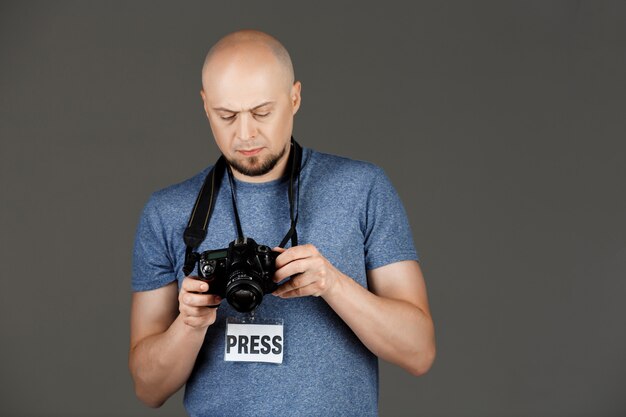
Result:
pixel 349 292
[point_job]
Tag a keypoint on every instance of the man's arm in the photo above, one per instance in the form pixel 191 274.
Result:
pixel 167 329
pixel 393 320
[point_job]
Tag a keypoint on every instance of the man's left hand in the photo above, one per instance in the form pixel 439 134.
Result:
pixel 311 273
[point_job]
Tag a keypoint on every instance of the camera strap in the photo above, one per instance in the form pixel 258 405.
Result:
pixel 196 230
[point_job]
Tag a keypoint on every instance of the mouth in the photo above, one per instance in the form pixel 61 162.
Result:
pixel 250 152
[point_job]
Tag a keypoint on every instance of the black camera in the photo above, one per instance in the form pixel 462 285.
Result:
pixel 241 273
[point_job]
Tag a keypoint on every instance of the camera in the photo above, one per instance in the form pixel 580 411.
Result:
pixel 241 273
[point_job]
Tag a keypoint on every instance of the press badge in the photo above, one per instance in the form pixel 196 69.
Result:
pixel 254 340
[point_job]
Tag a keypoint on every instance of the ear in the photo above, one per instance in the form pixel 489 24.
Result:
pixel 295 96
pixel 204 103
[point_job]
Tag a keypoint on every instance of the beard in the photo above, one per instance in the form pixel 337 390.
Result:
pixel 255 166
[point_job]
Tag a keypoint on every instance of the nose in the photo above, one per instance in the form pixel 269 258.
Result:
pixel 246 128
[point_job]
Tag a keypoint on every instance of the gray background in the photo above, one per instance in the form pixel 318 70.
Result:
pixel 500 123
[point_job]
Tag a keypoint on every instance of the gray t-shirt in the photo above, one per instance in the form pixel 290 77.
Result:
pixel 350 211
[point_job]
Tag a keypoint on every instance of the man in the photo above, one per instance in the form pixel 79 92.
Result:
pixel 356 290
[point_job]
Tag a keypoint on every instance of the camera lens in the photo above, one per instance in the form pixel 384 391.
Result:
pixel 244 293
pixel 244 299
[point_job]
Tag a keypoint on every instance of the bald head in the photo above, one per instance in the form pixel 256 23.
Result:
pixel 247 48
pixel 250 99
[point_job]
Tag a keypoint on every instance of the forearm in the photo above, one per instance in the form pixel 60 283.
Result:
pixel 396 331
pixel 161 364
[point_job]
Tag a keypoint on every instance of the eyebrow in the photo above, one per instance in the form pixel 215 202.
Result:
pixel 252 109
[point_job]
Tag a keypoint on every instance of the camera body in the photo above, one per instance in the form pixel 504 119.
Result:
pixel 241 273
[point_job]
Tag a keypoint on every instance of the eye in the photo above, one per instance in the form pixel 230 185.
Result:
pixel 261 115
pixel 231 117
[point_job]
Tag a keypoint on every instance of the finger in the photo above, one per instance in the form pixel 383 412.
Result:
pixel 278 249
pixel 293 268
pixel 189 311
pixel 305 291
pixel 201 300
pixel 194 284
pixel 296 252
pixel 200 321
pixel 203 311
pixel 294 283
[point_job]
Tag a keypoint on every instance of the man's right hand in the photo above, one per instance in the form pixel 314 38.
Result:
pixel 166 335
pixel 197 309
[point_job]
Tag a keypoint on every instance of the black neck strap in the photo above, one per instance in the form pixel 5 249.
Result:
pixel 196 230
pixel 240 235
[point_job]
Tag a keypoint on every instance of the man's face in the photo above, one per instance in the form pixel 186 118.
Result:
pixel 250 107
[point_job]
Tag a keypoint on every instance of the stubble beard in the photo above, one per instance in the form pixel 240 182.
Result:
pixel 254 166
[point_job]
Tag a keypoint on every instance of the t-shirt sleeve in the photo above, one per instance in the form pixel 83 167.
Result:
pixel 152 265
pixel 388 236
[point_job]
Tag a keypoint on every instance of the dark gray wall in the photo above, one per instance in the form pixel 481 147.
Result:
pixel 501 124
